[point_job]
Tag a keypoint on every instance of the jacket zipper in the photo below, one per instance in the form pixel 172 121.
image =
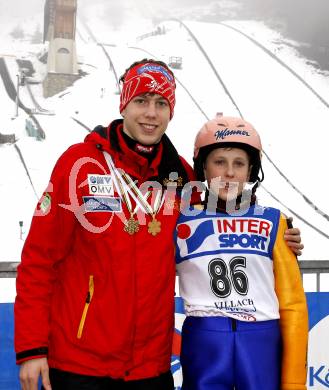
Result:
pixel 89 297
pixel 233 324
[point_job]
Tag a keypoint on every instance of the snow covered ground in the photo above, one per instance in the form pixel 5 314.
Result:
pixel 291 119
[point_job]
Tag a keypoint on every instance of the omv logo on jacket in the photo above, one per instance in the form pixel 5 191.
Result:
pixel 225 233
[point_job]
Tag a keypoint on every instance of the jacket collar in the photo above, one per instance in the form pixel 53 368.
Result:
pixel 135 164
pixel 223 207
pixel 165 161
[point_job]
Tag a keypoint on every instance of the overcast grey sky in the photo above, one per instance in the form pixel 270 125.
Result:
pixel 301 20
pixel 19 8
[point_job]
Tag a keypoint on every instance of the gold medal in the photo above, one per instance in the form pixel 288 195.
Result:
pixel 127 188
pixel 131 226
pixel 154 227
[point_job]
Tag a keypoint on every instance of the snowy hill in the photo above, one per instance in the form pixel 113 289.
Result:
pixel 271 86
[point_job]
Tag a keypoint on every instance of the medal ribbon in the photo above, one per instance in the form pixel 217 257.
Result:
pixel 125 185
pixel 158 202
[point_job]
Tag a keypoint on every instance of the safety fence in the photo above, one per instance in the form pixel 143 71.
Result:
pixel 315 271
pixel 319 270
pixel 158 31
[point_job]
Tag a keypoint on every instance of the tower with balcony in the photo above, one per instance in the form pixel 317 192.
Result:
pixel 59 30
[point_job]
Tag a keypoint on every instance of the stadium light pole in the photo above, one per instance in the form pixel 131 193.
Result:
pixel 17 94
pixel 21 230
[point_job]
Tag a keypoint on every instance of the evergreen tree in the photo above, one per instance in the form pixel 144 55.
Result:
pixel 17 33
pixel 37 36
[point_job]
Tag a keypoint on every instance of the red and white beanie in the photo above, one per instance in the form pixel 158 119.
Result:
pixel 149 77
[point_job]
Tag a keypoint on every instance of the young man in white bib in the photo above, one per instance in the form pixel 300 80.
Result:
pixel 246 322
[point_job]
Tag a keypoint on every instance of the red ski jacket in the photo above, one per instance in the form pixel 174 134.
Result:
pixel 91 297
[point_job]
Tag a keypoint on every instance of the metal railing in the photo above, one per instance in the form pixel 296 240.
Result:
pixel 317 267
pixel 8 269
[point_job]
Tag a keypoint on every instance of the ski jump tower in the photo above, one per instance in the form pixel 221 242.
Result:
pixel 59 30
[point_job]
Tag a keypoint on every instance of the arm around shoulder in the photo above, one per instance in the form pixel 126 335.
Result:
pixel 293 238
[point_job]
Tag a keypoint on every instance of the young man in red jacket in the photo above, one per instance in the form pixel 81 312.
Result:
pixel 95 288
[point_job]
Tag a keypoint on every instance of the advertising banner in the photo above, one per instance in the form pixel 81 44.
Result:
pixel 318 353
pixel 318 346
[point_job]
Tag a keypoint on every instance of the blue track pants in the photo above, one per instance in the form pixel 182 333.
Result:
pixel 220 353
